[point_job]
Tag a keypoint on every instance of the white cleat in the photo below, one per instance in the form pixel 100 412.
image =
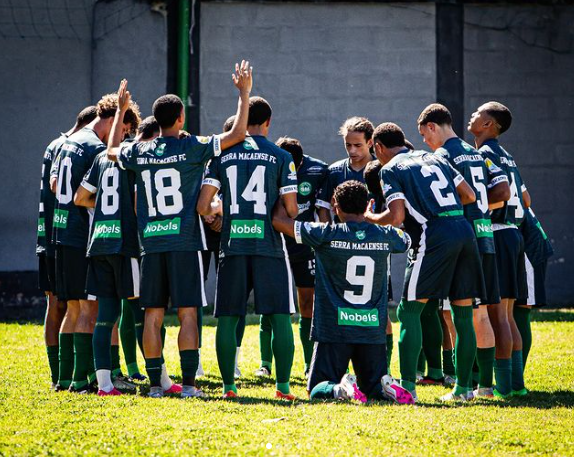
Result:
pixel 393 391
pixel 155 392
pixel 122 384
pixel 192 392
pixel 347 389
pixel 199 373
pixel 452 397
pixel 262 371
pixel 483 392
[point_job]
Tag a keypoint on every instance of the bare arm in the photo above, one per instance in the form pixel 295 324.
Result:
pixel 324 215
pixel 499 193
pixel 290 203
pixel 394 215
pixel 465 193
pixel 281 220
pixel 204 201
pixel 243 80
pixel 117 132
pixel 53 183
pixel 84 197
pixel 527 199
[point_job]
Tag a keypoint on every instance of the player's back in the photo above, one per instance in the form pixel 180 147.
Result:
pixel 252 175
pixel 426 182
pixel 75 157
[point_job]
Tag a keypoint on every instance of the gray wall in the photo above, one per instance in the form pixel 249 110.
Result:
pixel 46 79
pixel 524 58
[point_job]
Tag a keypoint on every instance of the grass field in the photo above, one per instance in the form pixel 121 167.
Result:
pixel 37 421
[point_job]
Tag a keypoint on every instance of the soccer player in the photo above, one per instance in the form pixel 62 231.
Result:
pixel 350 315
pixel 71 229
pixel 486 124
pixel 251 178
pixel 357 133
pixel 168 171
pixel 57 338
pixel 490 186
pixel 537 250
pixel 311 174
pixel 447 263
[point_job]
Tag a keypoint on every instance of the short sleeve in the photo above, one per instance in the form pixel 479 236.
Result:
pixel 127 157
pixel 91 179
pixel 287 177
pixel 199 149
pixel 495 173
pixel 55 169
pixel 212 177
pixel 326 192
pixel 392 188
pixel 400 240
pixel 311 233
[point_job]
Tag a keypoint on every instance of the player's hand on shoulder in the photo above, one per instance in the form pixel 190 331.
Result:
pixel 184 134
pixel 243 77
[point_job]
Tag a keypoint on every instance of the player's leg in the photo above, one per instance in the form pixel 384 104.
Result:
pixel 265 348
pixel 108 313
pixel 304 277
pixel 84 372
pixel 115 349
pixel 447 342
pixel 432 342
pixel 234 283
pixel 273 295
pixel 389 345
pixel 128 337
pixel 327 378
pixel 239 333
pixel 66 345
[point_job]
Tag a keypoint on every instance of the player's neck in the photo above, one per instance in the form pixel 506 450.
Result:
pixel 448 135
pixel 358 165
pixel 101 128
pixel 347 217
pixel 482 138
pixel 170 131
pixel 259 130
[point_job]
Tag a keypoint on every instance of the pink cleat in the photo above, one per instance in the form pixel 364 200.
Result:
pixel 103 393
pixel 393 391
pixel 174 389
pixel 347 389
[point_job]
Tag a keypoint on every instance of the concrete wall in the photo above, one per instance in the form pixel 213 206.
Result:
pixel 46 78
pixel 524 58
pixel 317 65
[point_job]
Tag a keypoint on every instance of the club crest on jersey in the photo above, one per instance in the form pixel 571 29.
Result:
pixel 305 188
pixel 360 235
pixel 250 144
pixel 160 150
pixel 386 188
pixel 292 168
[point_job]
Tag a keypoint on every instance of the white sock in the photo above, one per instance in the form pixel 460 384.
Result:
pixel 104 378
pixel 165 379
pixel 237 357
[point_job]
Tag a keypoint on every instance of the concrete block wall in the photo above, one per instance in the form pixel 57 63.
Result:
pixel 524 57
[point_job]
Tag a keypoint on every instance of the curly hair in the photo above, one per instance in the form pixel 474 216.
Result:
pixel 352 197
pixel 357 124
pixel 108 105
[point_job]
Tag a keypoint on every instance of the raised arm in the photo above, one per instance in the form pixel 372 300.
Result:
pixel 243 80
pixel 117 132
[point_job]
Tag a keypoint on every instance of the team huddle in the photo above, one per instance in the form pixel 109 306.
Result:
pixel 132 213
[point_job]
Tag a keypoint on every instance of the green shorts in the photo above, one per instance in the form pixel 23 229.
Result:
pixel 268 277
pixel 446 263
pixel 510 263
pixel 176 275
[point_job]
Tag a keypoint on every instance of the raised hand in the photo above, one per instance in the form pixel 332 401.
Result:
pixel 124 96
pixel 243 76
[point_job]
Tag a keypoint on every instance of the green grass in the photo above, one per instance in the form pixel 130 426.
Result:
pixel 36 421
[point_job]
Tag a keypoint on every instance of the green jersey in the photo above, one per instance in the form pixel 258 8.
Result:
pixel 512 213
pixel 480 176
pixel 114 225
pixel 426 182
pixel 168 175
pixel 44 243
pixel 537 246
pixel 251 177
pixel 71 223
pixel 350 279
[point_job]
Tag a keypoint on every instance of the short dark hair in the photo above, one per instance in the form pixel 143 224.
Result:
pixel 259 111
pixel 389 135
pixel 357 124
pixel 409 145
pixel 293 147
pixel 166 109
pixel 372 179
pixel 501 114
pixel 87 115
pixel 352 197
pixel 148 128
pixel 228 124
pixel 435 113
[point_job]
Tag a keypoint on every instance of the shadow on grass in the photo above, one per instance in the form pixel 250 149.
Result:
pixel 553 315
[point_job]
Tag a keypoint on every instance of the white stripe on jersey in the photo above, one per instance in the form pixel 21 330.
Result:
pixel 200 259
pixel 135 277
pixel 289 276
pixel 531 300
pixel 412 290
pixel 202 232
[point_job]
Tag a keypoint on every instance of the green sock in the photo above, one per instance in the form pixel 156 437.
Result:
pixel 503 374
pixel 432 338
pixel 323 391
pixel 115 353
pixel 475 371
pixel 66 359
pixel 189 363
pixel 82 355
pixel 163 332
pixel 139 319
pixel 522 319
pixel 485 360
pixel 127 328
pixel 421 363
pixel 53 362
pixel 265 336
pixel 108 313
pixel 304 334
pixel 410 341
pixel 283 348
pixel 389 351
pixel 226 347
pixel 517 371
pixel 153 368
pixel 465 347
pixel 240 331
pixel 447 362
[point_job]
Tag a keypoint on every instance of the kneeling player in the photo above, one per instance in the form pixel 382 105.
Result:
pixel 350 313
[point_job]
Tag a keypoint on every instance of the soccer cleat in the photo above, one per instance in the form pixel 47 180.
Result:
pixel 237 373
pixel 451 397
pixel 174 389
pixel 393 391
pixel 137 377
pixel 199 373
pixel 263 371
pixel 281 396
pixel 428 381
pixel 60 388
pixel 87 389
pixel 123 383
pixel 229 394
pixel 347 389
pixel 192 392
pixel 498 394
pixel 420 376
pixel 103 393
pixel 155 392
pixel 307 373
pixel 449 380
pixel 520 393
pixel 483 392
